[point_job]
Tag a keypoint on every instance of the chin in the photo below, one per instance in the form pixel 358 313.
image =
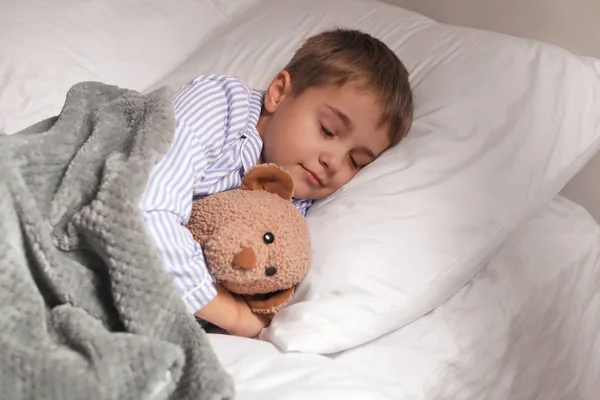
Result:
pixel 304 191
pixel 300 190
pixel 300 195
pixel 307 196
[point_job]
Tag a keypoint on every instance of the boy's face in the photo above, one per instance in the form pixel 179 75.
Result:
pixel 322 137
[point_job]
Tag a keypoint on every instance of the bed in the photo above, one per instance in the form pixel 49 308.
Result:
pixel 521 329
pixel 482 281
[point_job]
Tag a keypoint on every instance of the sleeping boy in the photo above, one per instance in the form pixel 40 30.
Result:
pixel 340 102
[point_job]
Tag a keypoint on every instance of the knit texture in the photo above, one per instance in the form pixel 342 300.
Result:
pixel 86 309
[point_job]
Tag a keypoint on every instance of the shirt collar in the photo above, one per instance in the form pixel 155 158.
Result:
pixel 257 98
pixel 252 143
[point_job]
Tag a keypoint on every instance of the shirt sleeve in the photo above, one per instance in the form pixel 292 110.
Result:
pixel 166 208
pixel 302 205
pixel 206 109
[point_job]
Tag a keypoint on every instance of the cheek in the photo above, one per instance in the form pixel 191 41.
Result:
pixel 283 132
pixel 342 178
pixel 347 176
pixel 297 126
pixel 294 139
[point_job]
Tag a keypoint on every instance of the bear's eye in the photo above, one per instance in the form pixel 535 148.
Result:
pixel 268 238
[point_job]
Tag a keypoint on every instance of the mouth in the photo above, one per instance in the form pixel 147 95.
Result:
pixel 312 178
pixel 269 302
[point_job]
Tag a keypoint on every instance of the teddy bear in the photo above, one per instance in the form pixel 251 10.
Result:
pixel 255 241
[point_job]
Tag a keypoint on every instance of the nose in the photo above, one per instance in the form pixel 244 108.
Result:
pixel 245 259
pixel 332 160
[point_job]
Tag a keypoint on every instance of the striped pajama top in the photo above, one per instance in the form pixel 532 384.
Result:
pixel 215 143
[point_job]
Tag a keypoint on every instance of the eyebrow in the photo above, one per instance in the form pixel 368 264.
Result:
pixel 345 119
pixel 368 152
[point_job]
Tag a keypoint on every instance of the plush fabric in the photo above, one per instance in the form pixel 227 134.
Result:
pixel 255 242
pixel 86 309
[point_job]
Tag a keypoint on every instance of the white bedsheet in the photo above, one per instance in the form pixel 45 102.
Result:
pixel 525 328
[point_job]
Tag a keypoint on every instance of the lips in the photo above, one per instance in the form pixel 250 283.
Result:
pixel 313 178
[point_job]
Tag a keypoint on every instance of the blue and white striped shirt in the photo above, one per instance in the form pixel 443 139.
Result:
pixel 215 143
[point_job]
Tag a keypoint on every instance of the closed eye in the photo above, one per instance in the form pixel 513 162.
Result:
pixel 326 131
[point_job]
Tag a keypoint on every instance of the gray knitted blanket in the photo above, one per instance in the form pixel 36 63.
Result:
pixel 86 309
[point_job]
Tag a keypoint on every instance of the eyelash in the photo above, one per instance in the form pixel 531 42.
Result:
pixel 328 133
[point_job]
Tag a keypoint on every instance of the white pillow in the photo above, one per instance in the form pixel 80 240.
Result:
pixel 47 46
pixel 501 125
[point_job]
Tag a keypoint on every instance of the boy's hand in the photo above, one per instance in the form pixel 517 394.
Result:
pixel 250 324
pixel 231 313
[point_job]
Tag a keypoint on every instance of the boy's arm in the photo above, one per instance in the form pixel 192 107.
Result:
pixel 233 314
pixel 166 206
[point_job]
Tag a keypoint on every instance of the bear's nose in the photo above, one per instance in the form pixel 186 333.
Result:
pixel 245 259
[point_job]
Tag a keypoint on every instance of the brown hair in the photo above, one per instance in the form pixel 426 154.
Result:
pixel 339 56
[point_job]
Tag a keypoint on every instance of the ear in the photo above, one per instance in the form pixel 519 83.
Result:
pixel 271 178
pixel 278 90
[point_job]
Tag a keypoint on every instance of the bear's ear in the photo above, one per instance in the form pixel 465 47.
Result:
pixel 271 178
